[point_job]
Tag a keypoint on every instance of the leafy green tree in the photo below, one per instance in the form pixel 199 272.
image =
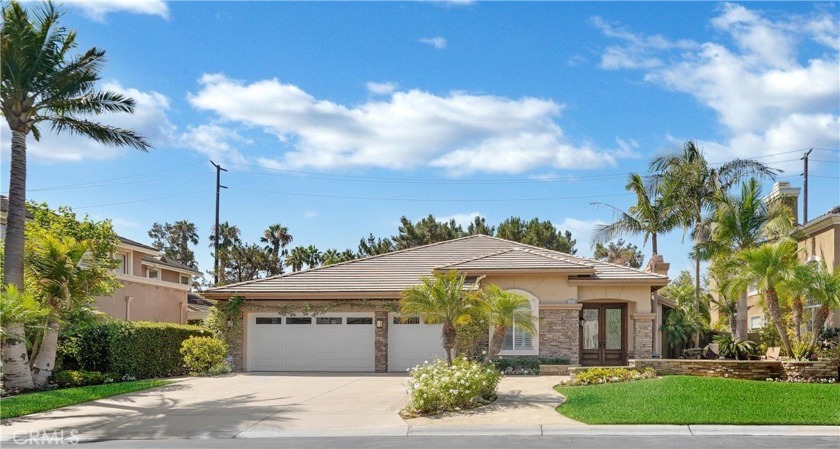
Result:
pixel 426 231
pixel 479 227
pixel 502 309
pixel 245 262
pixel 537 233
pixel 229 236
pixel 332 256
pixel 693 312
pixel 621 253
pixel 768 267
pixel 20 312
pixel 441 299
pixel 824 290
pixel 372 246
pixel 651 216
pixel 43 84
pixel 692 186
pixel 174 241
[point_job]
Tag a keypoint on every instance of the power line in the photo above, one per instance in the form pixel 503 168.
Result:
pixel 143 200
pixel 116 179
pixel 140 181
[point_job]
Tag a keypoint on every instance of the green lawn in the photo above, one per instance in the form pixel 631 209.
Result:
pixel 702 400
pixel 24 404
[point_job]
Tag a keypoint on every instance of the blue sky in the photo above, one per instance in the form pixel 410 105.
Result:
pixel 335 119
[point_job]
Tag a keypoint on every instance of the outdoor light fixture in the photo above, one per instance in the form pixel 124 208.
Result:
pixel 379 323
pixel 581 321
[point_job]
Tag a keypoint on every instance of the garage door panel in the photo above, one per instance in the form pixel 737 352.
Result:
pixel 311 346
pixel 410 344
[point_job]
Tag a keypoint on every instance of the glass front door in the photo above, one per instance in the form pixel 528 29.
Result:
pixel 603 334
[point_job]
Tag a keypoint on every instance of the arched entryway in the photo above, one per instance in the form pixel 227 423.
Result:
pixel 603 334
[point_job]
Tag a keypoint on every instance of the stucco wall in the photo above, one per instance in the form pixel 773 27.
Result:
pixel 149 303
pixel 550 289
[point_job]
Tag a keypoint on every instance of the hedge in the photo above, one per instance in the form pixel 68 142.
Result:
pixel 139 349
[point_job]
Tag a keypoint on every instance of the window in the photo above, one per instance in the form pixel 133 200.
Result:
pixel 185 280
pixel 328 320
pixel 407 320
pixel 517 340
pixel 755 322
pixel 351 320
pixel 153 273
pixel 298 320
pixel 268 320
pixel 122 260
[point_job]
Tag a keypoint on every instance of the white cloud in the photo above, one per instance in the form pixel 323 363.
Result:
pixel 637 50
pixel 581 231
pixel 216 142
pixel 381 88
pixel 459 132
pixel 99 9
pixel 149 120
pixel 437 42
pixel 464 219
pixel 767 98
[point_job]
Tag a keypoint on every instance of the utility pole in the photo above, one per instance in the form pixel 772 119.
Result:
pixel 219 186
pixel 805 187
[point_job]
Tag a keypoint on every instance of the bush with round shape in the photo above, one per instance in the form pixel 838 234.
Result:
pixel 595 376
pixel 438 387
pixel 204 355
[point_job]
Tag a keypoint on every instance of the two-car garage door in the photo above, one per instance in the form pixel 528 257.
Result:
pixel 336 342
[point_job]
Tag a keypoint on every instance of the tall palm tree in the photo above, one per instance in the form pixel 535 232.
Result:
pixel 441 299
pixel 43 84
pixel 650 216
pixel 277 237
pixel 297 258
pixel 825 291
pixel 741 222
pixel 330 257
pixel 185 233
pixel 313 256
pixel 769 267
pixel 228 238
pixel 502 309
pixel 56 266
pixel 692 185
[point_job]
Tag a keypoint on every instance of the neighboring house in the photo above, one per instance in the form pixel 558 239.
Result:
pixel 152 288
pixel 197 308
pixel 591 312
pixel 819 239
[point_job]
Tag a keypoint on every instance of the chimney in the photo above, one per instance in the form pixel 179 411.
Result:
pixel 658 265
pixel 789 196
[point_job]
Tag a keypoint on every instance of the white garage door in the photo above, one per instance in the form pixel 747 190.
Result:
pixel 331 342
pixel 411 343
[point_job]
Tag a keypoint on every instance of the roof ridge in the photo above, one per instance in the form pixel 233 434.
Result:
pixel 324 267
pixel 472 259
pixel 581 257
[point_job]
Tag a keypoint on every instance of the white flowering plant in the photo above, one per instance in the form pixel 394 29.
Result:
pixel 595 376
pixel 438 387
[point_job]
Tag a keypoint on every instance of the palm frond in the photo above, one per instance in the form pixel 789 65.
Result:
pixel 108 135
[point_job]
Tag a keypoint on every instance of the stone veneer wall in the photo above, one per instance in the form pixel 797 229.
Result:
pixel 556 370
pixel 738 369
pixel 559 332
pixel 642 335
pixel 381 342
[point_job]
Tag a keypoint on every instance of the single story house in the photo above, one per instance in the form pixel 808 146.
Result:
pixel 591 312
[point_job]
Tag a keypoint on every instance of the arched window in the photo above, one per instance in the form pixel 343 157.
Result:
pixel 519 341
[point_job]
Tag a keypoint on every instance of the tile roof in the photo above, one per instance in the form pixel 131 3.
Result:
pixel 394 271
pixel 169 263
pixel 136 243
pixel 519 258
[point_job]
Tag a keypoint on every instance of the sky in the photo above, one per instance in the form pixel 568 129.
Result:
pixel 336 119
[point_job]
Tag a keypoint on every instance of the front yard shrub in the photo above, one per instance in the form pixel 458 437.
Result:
pixel 594 376
pixel 204 355
pixel 437 387
pixel 136 349
pixel 81 378
pixel 731 348
pixel 526 365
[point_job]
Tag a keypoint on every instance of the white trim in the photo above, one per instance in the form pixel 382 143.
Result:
pixel 155 282
pixel 181 278
pixel 535 339
pixel 139 249
pixel 162 266
pixel 158 277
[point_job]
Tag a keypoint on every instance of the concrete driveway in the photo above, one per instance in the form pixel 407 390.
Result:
pixel 225 407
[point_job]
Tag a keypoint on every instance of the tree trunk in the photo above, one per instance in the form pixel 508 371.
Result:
pixel 741 318
pixel 653 245
pixel 43 362
pixel 448 340
pixel 733 327
pixel 16 374
pixel 495 346
pixel 820 317
pixel 796 311
pixel 772 302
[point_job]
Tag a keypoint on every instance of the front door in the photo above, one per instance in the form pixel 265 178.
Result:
pixel 603 334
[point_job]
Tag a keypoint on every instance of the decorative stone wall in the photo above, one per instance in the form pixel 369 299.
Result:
pixel 556 370
pixel 737 369
pixel 381 342
pixel 823 369
pixel 560 332
pixel 642 335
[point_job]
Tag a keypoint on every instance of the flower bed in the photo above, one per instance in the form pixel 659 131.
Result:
pixel 594 376
pixel 437 387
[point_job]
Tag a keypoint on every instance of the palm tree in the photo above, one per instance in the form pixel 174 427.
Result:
pixel 277 237
pixel 313 256
pixel 692 186
pixel 769 267
pixel 228 238
pixel 650 216
pixel 440 300
pixel 56 265
pixel 297 258
pixel 502 309
pixel 19 310
pixel 330 257
pixel 825 291
pixel 738 223
pixel 43 84
pixel 185 233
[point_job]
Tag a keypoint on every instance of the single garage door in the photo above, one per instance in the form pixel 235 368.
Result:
pixel 412 342
pixel 330 342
